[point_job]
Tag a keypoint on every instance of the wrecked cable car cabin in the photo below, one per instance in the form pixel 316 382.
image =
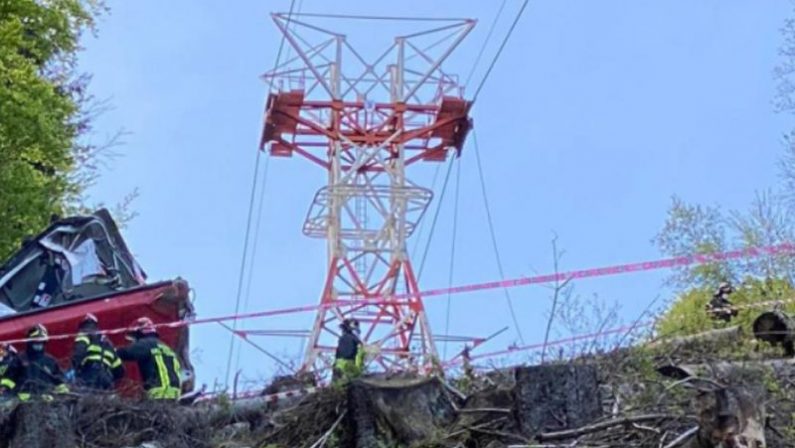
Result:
pixel 82 265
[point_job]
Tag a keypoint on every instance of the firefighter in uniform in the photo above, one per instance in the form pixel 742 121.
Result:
pixel 11 371
pixel 43 376
pixel 94 359
pixel 349 359
pixel 720 307
pixel 158 364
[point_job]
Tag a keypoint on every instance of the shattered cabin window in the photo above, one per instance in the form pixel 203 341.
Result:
pixel 32 286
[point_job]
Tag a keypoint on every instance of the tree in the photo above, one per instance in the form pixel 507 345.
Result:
pixel 45 162
pixel 694 229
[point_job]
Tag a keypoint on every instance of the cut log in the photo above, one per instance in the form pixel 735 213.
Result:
pixel 725 368
pixel 556 397
pixel 776 327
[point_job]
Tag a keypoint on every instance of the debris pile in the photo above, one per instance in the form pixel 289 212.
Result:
pixel 695 392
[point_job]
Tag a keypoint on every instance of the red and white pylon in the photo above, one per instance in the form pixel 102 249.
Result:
pixel 365 121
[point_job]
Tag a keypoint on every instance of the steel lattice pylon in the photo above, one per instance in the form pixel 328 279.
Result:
pixel 365 122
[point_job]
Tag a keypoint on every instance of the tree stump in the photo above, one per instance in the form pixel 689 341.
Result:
pixel 40 425
pixel 556 397
pixel 399 410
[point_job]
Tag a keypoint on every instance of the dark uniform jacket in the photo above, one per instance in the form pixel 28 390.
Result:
pixel 347 346
pixel 158 364
pixel 12 374
pixel 42 373
pixel 95 362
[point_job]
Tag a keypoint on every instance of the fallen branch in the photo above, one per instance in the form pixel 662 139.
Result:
pixel 498 434
pixel 478 410
pixel 559 446
pixel 569 433
pixel 322 440
pixel 684 437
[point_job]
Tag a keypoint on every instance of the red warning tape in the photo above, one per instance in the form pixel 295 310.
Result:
pixel 668 263
pixel 625 329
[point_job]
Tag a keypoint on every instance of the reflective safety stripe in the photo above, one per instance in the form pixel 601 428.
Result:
pixel 347 369
pixel 62 389
pixel 103 355
pixel 162 372
pixel 24 396
pixel 83 339
pixel 161 354
pixel 7 383
pixel 92 358
pixel 359 358
pixel 163 393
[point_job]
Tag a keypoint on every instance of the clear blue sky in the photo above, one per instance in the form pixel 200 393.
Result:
pixel 596 114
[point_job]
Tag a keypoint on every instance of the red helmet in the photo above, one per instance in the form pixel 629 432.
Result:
pixel 144 325
pixel 89 318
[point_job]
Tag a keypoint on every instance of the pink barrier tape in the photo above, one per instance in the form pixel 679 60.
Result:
pixel 628 329
pixel 668 263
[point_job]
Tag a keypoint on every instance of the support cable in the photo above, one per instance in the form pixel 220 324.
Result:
pixel 493 235
pixel 435 219
pixel 252 199
pixel 418 238
pixel 257 226
pixel 254 245
pixel 477 150
pixel 452 253
pixel 485 42
pixel 499 51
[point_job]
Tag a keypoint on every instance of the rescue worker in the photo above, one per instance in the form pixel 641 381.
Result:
pixel 349 358
pixel 43 375
pixel 720 307
pixel 157 363
pixel 11 371
pixel 94 359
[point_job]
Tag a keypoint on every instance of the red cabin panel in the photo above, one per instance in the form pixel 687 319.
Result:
pixel 162 302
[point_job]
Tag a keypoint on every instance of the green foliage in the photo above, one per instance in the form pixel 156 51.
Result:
pixel 694 229
pixel 43 108
pixel 698 230
pixel 687 314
